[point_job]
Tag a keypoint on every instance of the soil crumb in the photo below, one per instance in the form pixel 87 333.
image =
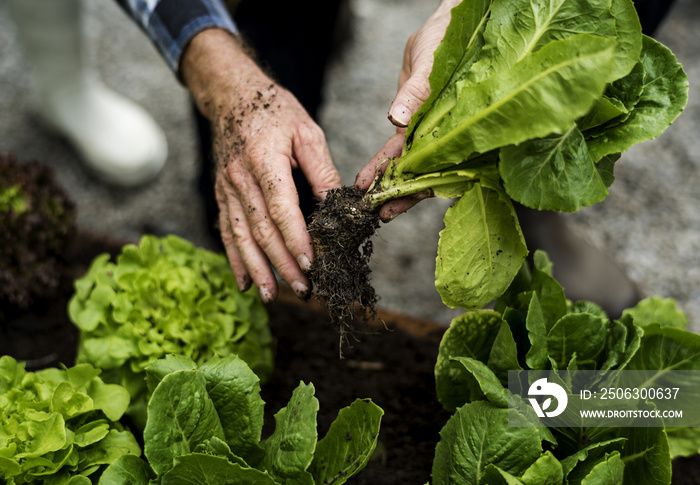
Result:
pixel 341 230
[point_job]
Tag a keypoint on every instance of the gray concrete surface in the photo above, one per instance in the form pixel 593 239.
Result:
pixel 650 224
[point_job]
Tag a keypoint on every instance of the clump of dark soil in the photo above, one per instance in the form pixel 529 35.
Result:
pixel 341 230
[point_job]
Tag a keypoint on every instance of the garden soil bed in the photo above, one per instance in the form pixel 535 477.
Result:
pixel 44 336
pixel 391 363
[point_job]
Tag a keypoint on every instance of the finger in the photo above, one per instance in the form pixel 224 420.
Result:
pixel 243 280
pixel 377 165
pixel 252 254
pixel 266 223
pixel 282 202
pixel 410 97
pixel 393 208
pixel 312 153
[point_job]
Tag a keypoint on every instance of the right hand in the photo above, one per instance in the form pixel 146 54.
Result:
pixel 414 89
pixel 261 132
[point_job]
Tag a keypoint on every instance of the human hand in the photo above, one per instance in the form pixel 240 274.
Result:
pixel 260 132
pixel 414 89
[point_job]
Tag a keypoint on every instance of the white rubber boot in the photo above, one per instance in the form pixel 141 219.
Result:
pixel 117 139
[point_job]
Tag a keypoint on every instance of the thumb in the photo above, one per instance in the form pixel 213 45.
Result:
pixel 411 96
pixel 414 81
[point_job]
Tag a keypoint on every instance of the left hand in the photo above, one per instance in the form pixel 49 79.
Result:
pixel 261 132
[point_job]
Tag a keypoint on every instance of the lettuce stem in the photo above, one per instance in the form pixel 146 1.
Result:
pixel 446 184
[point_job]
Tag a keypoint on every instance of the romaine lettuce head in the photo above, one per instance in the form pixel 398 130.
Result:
pixel 59 423
pixel 533 102
pixel 533 326
pixel 205 426
pixel 165 296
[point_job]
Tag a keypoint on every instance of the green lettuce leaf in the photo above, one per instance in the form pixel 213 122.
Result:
pixel 469 335
pixel 477 435
pixel 554 86
pixel 646 456
pixel 560 334
pixel 127 470
pixel 547 469
pixel 205 426
pixel 537 356
pixel 181 416
pixel 666 348
pixel 488 382
pixel 520 27
pixel 59 423
pixel 550 293
pixel 235 391
pixel 655 309
pixel 203 469
pixel 349 443
pixel 504 354
pixel 553 173
pixel 455 55
pixel 608 471
pixel 495 476
pixel 549 93
pixel 290 449
pixel 683 441
pixel 664 95
pixel 480 251
pixel 581 334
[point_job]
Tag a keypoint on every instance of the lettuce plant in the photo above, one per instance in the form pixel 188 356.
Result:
pixel 59 426
pixel 531 101
pixel 534 327
pixel 37 220
pixel 161 297
pixel 205 426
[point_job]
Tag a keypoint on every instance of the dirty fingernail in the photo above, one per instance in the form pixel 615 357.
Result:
pixel 301 290
pixel 304 263
pixel 265 294
pixel 389 215
pixel 399 115
pixel 243 283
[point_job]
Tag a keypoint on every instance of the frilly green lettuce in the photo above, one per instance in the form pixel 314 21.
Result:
pixel 59 423
pixel 165 296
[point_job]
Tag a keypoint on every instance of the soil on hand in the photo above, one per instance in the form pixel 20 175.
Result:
pixel 341 230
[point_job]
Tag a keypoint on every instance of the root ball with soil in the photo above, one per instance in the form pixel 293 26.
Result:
pixel 341 230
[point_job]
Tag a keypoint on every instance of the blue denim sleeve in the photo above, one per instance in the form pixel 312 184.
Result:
pixel 171 24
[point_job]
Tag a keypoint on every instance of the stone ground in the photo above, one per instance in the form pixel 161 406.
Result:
pixel 650 224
